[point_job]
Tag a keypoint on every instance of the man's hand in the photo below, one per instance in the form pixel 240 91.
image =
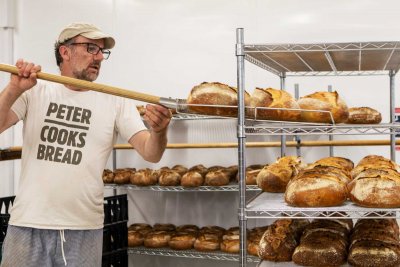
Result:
pixel 157 118
pixel 26 77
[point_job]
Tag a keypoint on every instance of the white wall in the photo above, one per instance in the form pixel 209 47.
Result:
pixel 166 47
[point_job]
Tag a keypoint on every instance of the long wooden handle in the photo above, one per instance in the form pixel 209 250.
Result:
pixel 88 85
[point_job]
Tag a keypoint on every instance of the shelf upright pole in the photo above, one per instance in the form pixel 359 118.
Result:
pixel 392 116
pixel 241 146
pixel 330 136
pixel 296 137
pixel 283 137
pixel 114 163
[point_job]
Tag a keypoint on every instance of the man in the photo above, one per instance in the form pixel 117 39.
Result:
pixel 68 134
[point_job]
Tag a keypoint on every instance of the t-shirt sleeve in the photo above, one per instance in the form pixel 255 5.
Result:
pixel 21 106
pixel 128 119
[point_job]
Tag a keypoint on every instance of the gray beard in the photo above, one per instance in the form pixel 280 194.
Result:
pixel 84 75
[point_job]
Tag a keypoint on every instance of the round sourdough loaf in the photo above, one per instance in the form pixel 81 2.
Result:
pixel 376 188
pixel 317 187
pixel 202 98
pixel 326 101
pixel 274 104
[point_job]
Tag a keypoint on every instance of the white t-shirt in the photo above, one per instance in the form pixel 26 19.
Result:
pixel 67 139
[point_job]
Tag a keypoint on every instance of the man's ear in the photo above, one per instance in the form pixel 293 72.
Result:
pixel 65 52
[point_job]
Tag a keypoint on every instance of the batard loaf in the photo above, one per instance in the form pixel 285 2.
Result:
pixel 326 101
pixel 275 177
pixel 364 115
pixel 273 104
pixel 280 239
pixel 202 98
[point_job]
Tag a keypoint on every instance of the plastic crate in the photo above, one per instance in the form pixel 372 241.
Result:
pixel 115 237
pixel 115 209
pixel 5 205
pixel 115 259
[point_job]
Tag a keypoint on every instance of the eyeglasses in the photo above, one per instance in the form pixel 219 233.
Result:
pixel 94 49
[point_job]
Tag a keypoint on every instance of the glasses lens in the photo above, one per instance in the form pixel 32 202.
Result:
pixel 106 53
pixel 93 49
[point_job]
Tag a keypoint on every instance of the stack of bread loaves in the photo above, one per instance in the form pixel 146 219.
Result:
pixel 275 177
pixel 321 184
pixel 324 243
pixel 375 242
pixel 376 183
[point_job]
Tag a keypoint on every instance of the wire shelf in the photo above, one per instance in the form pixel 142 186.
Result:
pixel 273 205
pixel 326 59
pixel 193 254
pixel 226 188
pixel 274 128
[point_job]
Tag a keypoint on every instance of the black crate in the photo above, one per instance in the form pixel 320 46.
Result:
pixel 5 205
pixel 115 236
pixel 117 258
pixel 115 209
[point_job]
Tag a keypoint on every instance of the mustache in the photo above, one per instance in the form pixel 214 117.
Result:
pixel 96 64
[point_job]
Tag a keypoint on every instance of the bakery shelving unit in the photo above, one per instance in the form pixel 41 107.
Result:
pixel 323 59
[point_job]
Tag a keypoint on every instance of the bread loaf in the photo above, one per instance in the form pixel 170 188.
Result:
pixel 144 177
pixel 273 104
pixel 169 178
pixel 376 188
pixel 231 241
pixel 364 115
pixel 215 99
pixel 280 239
pixel 182 240
pixel 375 242
pixel 323 243
pixel 275 177
pixel 108 176
pixel 123 176
pixel 253 239
pixel 192 179
pixel 374 162
pixel 326 101
pixel 317 187
pixel 207 242
pixel 157 239
pixel 338 162
pixel 218 177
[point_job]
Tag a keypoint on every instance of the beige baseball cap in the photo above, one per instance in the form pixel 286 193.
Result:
pixel 87 30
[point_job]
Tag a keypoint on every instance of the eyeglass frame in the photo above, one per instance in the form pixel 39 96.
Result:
pixel 106 52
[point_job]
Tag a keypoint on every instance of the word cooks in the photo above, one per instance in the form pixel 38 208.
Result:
pixel 64 134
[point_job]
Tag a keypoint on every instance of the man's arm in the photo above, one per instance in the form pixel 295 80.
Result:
pixel 151 144
pixel 18 84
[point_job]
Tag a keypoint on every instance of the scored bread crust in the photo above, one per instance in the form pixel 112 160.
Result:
pixel 215 93
pixel 326 101
pixel 364 115
pixel 274 98
pixel 376 188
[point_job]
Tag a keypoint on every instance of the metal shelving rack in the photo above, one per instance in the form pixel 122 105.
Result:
pixel 225 188
pixel 193 254
pixel 325 59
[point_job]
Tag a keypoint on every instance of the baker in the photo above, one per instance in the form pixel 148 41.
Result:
pixel 68 135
